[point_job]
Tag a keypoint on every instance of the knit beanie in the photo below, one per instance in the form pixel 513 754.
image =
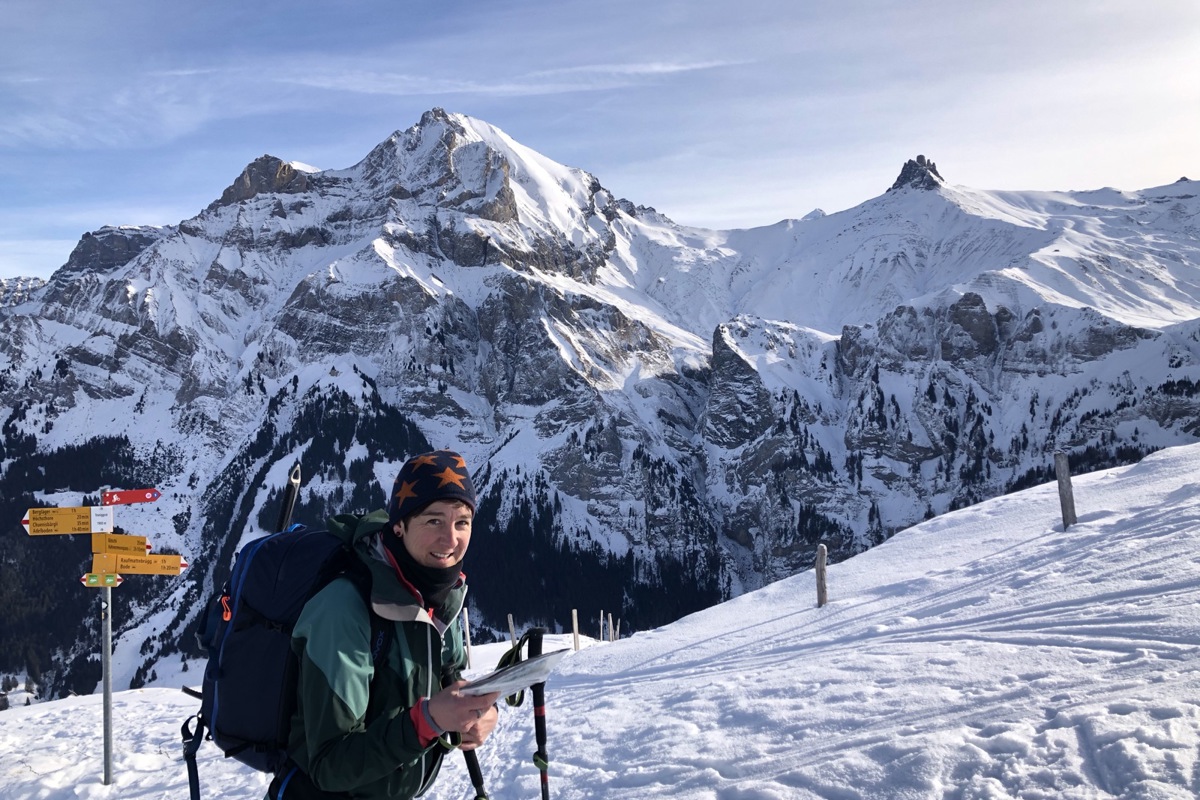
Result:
pixel 440 475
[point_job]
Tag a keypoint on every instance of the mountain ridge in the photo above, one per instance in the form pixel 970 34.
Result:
pixel 658 416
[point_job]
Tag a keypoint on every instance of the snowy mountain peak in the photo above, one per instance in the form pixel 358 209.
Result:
pixel 918 173
pixel 453 161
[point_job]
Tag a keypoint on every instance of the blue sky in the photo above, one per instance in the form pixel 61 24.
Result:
pixel 718 114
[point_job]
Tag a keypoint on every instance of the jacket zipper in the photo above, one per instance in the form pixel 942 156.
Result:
pixel 425 777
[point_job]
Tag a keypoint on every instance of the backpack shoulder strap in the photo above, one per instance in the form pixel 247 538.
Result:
pixel 352 527
pixel 383 632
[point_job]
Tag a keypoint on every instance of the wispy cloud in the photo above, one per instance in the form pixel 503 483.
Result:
pixel 115 112
pixel 583 78
pixel 112 111
pixel 652 68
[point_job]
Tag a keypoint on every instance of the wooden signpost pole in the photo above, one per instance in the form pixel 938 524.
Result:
pixel 106 668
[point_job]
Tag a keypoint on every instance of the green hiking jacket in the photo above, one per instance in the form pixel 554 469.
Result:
pixel 352 733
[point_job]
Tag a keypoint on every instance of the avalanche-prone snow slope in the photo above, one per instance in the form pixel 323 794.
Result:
pixel 983 654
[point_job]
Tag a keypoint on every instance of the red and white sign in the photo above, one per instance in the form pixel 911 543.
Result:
pixel 127 496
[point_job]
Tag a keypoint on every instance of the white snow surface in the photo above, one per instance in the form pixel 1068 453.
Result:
pixel 986 653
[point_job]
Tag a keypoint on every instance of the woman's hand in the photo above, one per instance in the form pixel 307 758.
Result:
pixel 467 714
pixel 474 735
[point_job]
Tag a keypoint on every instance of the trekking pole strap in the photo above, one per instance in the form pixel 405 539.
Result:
pixel 191 743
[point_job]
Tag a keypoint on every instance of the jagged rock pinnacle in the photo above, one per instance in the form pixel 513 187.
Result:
pixel 919 173
pixel 264 174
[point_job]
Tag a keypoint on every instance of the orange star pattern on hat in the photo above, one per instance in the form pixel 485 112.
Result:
pixel 427 478
pixel 449 476
pixel 406 491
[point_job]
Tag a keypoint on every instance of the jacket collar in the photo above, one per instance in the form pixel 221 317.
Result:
pixel 393 599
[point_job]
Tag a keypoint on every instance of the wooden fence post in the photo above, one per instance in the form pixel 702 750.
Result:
pixel 575 627
pixel 822 591
pixel 1066 498
pixel 512 630
pixel 611 637
pixel 601 625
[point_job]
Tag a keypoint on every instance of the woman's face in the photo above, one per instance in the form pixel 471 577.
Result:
pixel 438 535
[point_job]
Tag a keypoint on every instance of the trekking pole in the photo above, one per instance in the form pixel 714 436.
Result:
pixel 289 499
pixel 540 758
pixel 475 773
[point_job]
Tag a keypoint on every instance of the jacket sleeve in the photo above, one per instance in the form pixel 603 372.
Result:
pixel 331 638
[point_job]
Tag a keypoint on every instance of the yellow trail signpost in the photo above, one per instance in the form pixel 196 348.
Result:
pixel 55 521
pixel 119 543
pixel 113 563
pixel 111 555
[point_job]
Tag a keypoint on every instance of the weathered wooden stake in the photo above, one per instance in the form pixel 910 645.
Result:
pixel 1066 498
pixel 575 626
pixel 602 624
pixel 512 630
pixel 611 636
pixel 822 592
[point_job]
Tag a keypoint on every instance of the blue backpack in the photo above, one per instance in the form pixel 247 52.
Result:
pixel 248 694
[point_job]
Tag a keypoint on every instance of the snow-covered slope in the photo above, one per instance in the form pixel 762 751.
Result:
pixel 984 654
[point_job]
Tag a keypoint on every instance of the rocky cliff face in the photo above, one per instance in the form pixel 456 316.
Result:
pixel 657 416
pixel 14 291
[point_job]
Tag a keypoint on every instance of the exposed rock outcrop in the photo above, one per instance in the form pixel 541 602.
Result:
pixel 918 173
pixel 264 175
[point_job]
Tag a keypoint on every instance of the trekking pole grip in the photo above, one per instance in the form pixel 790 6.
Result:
pixel 289 499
